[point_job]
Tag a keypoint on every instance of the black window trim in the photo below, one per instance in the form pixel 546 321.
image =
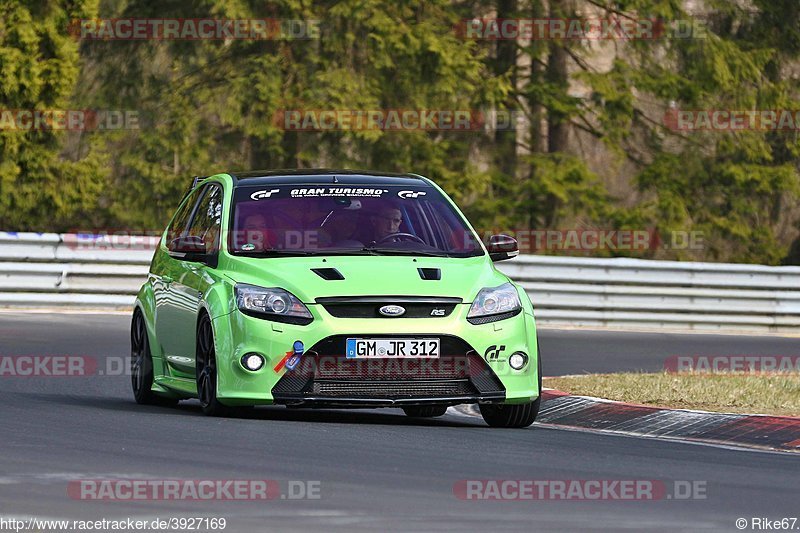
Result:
pixel 187 200
pixel 207 187
pixel 213 259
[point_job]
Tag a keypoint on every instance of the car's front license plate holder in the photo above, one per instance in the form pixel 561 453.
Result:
pixel 388 348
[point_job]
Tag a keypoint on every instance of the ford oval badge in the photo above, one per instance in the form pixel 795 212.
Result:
pixel 392 310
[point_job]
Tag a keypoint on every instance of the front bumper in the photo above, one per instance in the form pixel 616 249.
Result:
pixel 471 368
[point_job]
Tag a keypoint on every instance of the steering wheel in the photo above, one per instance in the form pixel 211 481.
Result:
pixel 400 236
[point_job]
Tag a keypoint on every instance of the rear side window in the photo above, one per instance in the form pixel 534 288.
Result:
pixel 208 218
pixel 180 221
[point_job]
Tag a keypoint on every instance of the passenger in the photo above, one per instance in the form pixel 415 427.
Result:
pixel 255 234
pixel 298 224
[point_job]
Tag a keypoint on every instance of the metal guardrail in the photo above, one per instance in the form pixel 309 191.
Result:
pixel 51 270
pixel 660 294
pixel 55 270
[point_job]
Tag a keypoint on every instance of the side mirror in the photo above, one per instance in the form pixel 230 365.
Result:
pixel 502 247
pixel 188 248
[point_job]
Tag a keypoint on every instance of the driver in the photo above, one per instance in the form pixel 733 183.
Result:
pixel 386 222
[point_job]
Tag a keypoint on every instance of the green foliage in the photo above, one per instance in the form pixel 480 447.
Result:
pixel 734 205
pixel 39 66
pixel 210 106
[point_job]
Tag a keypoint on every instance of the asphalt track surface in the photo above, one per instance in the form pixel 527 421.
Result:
pixel 377 469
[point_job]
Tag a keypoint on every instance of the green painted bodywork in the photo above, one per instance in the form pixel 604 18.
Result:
pixel 197 288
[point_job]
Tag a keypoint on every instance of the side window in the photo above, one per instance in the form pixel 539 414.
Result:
pixel 180 222
pixel 208 218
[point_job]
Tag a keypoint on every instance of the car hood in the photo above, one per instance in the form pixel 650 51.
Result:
pixel 368 275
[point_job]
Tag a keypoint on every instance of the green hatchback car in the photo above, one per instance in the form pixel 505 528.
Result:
pixel 328 288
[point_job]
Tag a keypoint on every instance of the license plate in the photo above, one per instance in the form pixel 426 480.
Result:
pixel 392 348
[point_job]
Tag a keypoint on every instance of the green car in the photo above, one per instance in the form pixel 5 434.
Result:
pixel 343 289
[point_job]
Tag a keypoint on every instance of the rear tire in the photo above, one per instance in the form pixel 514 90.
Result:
pixel 206 367
pixel 142 365
pixel 425 411
pixel 519 415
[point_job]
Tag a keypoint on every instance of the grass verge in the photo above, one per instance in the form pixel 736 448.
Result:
pixel 773 394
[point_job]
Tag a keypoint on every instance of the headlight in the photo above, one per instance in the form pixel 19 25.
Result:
pixel 272 304
pixel 494 303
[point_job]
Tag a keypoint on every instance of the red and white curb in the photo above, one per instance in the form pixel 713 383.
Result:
pixel 563 410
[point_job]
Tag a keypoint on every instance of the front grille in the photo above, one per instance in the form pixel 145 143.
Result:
pixel 393 390
pixel 369 306
pixel 446 367
pixel 291 382
pixel 482 376
pixel 325 373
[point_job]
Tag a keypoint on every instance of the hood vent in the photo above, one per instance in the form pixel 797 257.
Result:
pixel 430 274
pixel 329 274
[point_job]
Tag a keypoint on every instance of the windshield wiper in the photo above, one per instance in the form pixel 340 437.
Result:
pixel 304 253
pixel 404 251
pixel 271 253
pixel 340 251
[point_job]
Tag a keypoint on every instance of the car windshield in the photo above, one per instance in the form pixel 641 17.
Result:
pixel 347 219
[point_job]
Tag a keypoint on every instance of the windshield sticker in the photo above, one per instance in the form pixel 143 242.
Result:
pixel 258 195
pixel 338 191
pixel 410 194
pixel 248 247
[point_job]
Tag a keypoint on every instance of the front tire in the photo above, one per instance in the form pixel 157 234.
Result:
pixel 206 367
pixel 510 416
pixel 425 411
pixel 142 365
